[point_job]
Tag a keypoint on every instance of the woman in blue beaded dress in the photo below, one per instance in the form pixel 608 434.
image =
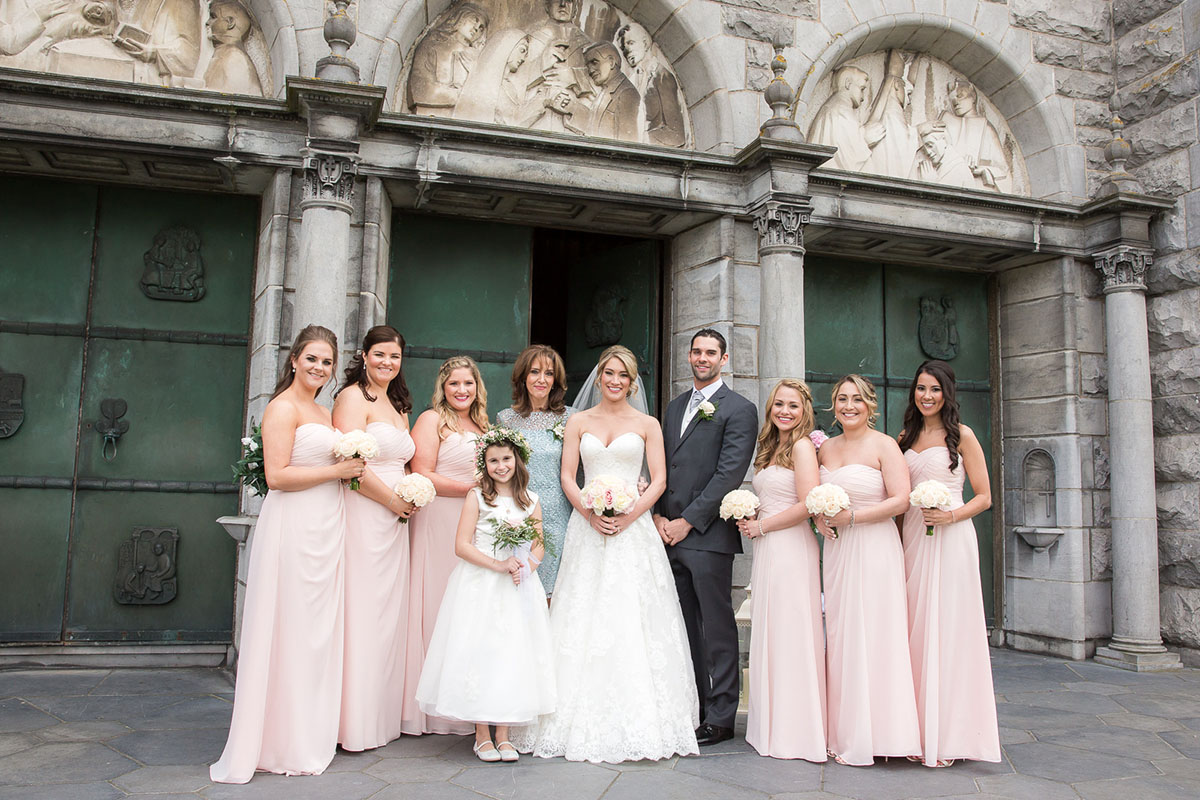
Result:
pixel 539 386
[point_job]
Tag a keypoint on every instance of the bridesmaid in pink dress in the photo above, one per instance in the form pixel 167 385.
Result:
pixel 787 643
pixel 378 401
pixel 445 437
pixel 289 678
pixel 947 629
pixel 871 704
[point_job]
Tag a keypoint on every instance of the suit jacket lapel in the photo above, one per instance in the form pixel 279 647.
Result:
pixel 716 398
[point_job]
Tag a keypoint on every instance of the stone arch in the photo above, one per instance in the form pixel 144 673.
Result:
pixel 279 29
pixel 688 36
pixel 1001 67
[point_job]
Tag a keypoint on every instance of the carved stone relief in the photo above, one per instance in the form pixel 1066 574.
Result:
pixel 12 404
pixel 569 66
pixel 146 567
pixel 174 269
pixel 937 329
pixel 606 318
pixel 908 115
pixel 212 44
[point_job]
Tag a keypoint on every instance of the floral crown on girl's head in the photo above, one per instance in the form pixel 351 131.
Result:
pixel 498 434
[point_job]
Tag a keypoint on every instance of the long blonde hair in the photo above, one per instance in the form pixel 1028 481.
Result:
pixel 865 388
pixel 774 444
pixel 627 359
pixel 447 416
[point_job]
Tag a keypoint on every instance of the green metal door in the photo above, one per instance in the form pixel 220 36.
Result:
pixel 882 321
pixel 126 312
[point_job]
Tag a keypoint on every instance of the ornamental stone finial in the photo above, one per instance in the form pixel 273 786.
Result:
pixel 1117 152
pixel 340 33
pixel 1123 268
pixel 779 95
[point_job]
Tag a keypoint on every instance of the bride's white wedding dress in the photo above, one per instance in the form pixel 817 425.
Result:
pixel 626 689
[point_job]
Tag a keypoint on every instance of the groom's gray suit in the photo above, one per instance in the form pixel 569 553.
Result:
pixel 706 462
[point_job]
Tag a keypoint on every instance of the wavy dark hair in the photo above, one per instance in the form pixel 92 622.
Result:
pixel 914 421
pixel 308 334
pixel 356 372
pixel 556 402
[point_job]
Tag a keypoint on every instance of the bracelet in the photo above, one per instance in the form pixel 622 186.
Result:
pixel 851 525
pixel 952 519
pixel 760 530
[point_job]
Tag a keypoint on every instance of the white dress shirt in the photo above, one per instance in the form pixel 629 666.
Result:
pixel 689 411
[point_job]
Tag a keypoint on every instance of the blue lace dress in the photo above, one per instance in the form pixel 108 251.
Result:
pixel 545 468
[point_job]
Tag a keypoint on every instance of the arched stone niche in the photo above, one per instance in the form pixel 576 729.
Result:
pixel 579 67
pixel 218 45
pixel 1039 500
pixel 909 115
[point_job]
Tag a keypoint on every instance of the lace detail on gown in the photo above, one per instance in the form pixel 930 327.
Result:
pixel 626 689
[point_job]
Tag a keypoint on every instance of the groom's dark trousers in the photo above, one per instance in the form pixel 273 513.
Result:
pixel 706 462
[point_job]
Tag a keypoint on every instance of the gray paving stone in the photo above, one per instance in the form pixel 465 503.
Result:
pixel 673 785
pixel 1011 658
pixel 330 786
pixel 16 742
pixel 1160 705
pixel 1023 787
pixel 17 715
pixel 414 770
pixel 419 746
pixel 345 761
pixel 728 747
pixel 427 791
pixel 79 709
pixel 1115 741
pixel 770 775
pixel 67 762
pixel 525 781
pixel 1069 764
pixel 1101 673
pixel 632 766
pixel 1041 720
pixel 168 748
pixel 1140 722
pixel 1031 678
pixel 19 683
pixel 1079 702
pixel 200 711
pixel 1089 687
pixel 897 779
pixel 808 796
pixel 1181 769
pixel 91 731
pixel 1193 723
pixel 64 791
pixel 163 681
pixel 182 779
pixel 1151 788
pixel 1014 736
pixel 1186 742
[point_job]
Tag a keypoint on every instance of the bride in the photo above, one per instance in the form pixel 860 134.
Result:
pixel 626 689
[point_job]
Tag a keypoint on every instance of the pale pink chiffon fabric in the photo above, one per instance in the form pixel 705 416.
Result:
pixel 951 664
pixel 871 704
pixel 289 677
pixel 377 559
pixel 787 643
pixel 433 559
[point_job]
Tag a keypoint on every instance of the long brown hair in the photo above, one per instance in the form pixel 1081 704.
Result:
pixel 521 402
pixel 914 421
pixel 520 479
pixel 774 443
pixel 308 334
pixel 447 416
pixel 356 373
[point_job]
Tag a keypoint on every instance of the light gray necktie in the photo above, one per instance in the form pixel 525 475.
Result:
pixel 694 403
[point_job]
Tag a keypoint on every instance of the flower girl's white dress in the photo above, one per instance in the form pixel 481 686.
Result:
pixel 490 658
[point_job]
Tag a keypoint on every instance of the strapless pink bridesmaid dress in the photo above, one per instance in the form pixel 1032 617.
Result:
pixel 289 676
pixel 871 703
pixel 787 643
pixel 433 559
pixel 951 664
pixel 377 563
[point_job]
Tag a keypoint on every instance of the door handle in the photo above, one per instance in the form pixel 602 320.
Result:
pixel 111 426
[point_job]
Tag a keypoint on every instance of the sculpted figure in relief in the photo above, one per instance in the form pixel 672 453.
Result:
pixel 939 161
pixel 661 98
pixel 163 36
pixel 892 109
pixel 556 73
pixel 838 122
pixel 444 59
pixel 230 69
pixel 499 67
pixel 20 25
pixel 616 112
pixel 976 138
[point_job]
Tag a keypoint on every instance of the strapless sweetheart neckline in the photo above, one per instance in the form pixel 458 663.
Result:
pixel 614 439
pixel 844 466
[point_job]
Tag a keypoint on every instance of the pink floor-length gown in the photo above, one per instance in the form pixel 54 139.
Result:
pixel 952 669
pixel 871 704
pixel 377 557
pixel 289 676
pixel 787 643
pixel 433 559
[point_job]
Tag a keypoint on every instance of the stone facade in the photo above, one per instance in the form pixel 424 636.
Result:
pixel 328 144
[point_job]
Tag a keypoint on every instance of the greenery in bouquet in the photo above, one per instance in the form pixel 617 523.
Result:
pixel 512 535
pixel 249 470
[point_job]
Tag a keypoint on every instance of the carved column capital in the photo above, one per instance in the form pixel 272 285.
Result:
pixel 1123 268
pixel 780 226
pixel 329 180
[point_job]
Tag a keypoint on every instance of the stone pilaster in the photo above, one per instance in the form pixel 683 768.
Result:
pixel 780 227
pixel 1136 643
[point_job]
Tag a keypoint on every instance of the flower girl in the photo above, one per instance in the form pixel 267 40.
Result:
pixel 489 661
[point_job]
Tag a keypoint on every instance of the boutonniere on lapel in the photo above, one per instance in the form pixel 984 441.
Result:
pixel 706 410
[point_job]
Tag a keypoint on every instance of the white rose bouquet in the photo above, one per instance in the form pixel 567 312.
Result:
pixel 609 496
pixel 249 469
pixel 356 444
pixel 739 504
pixel 416 489
pixel 930 494
pixel 828 500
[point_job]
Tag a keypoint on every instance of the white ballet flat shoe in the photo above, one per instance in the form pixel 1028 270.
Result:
pixel 510 754
pixel 489 756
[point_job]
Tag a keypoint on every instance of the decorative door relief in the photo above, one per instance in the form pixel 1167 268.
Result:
pixel 938 328
pixel 174 268
pixel 217 45
pixel 568 66
pixel 146 567
pixel 606 318
pixel 12 408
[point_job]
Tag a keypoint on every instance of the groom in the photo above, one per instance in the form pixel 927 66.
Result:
pixel 709 435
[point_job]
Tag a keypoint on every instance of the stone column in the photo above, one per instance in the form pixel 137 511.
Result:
pixel 780 227
pixel 1136 643
pixel 323 265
